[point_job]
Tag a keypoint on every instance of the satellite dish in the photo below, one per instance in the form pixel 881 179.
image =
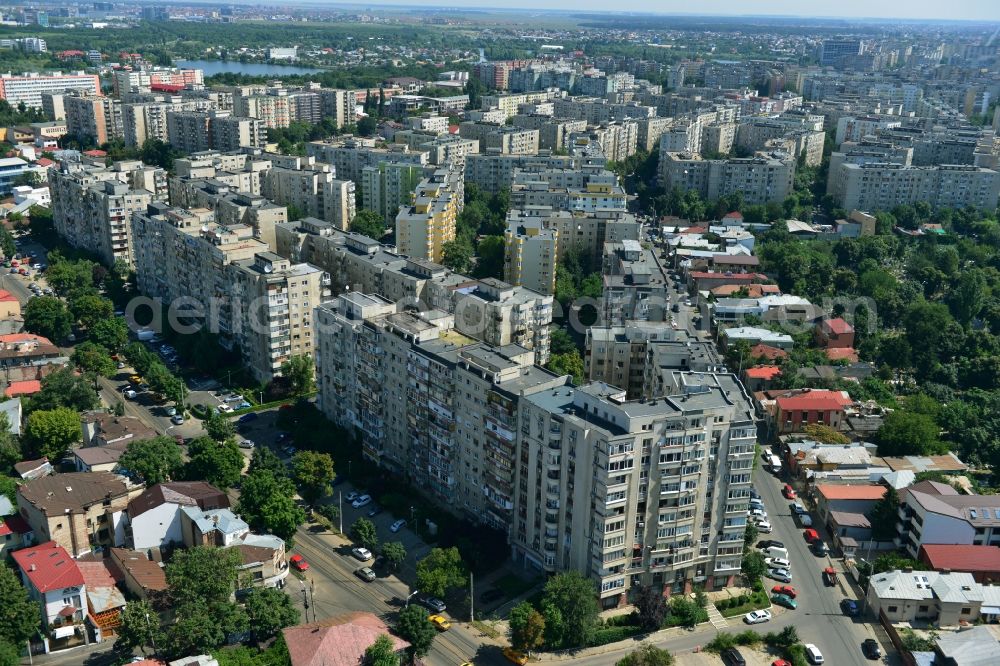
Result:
pixel 204 228
pixel 268 268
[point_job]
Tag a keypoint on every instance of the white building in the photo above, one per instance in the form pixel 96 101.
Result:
pixel 154 517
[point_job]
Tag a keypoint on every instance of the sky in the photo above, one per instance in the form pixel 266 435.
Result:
pixel 908 9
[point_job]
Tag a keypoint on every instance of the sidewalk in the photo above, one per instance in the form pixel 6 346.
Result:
pixel 673 633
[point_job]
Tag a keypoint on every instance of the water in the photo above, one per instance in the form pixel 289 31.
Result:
pixel 211 67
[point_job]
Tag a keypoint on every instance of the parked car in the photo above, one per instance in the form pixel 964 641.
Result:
pixel 849 607
pixel 243 405
pixel 788 492
pixel 375 510
pixel 363 500
pixel 764 544
pixel 871 649
pixel 784 600
pixel 177 419
pixel 246 444
pixel 786 590
pixel 298 562
pixel 247 418
pixel 732 657
pixel 813 654
pixel 757 616
pixel 784 575
pixel 805 520
pixel 829 577
pixel 365 574
pixel 398 525
pixel 129 394
pixel 764 527
pixel 777 563
pixel 820 549
pixel 351 496
pixel 171 411
pixel 362 554
pixel 224 409
pixel 781 662
pixel 434 604
pixel 440 622
pixel 810 535
pixel 514 656
pixel 797 508
pixel 757 513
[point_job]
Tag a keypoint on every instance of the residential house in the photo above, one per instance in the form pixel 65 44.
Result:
pixel 848 529
pixel 33 469
pixel 847 499
pixel 103 429
pixel 945 598
pixel 13 410
pixel 14 533
pixel 834 333
pixel 337 641
pixel 216 527
pixel 264 563
pixel 80 511
pixel 975 646
pixel 761 351
pixel 946 463
pixel 803 457
pixel 932 512
pixel 98 458
pixel 21 349
pixel 153 519
pixel 811 406
pixel 105 601
pixel 53 579
pixel 755 336
pixel 141 577
pixel 761 377
pixel 982 561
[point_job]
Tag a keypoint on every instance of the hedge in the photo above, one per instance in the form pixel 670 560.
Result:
pixel 269 405
pixel 606 635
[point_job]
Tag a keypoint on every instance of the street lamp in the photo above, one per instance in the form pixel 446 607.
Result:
pixel 412 594
pixel 305 600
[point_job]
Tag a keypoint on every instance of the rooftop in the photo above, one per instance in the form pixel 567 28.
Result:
pixel 187 493
pixel 336 641
pixel 848 492
pixel 73 491
pixel 48 566
pixel 962 557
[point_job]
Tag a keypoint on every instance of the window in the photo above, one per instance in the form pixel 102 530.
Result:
pixel 966 611
pixel 892 609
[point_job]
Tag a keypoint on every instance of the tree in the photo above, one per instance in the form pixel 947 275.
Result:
pixel 153 460
pixel 7 244
pixel 750 535
pixel 263 458
pixel 65 388
pixel 441 570
pixel 785 638
pixel 883 516
pixel 904 433
pixel 267 503
pixel 51 433
pixel 382 652
pixel 363 531
pixel 394 553
pixel 140 628
pixel 201 627
pixel 527 627
pixel 9 654
pixel 203 573
pixel 574 597
pixel 20 617
pixel 313 474
pixel 368 223
pixel 491 251
pixel 218 426
pixel 457 255
pixel 967 298
pixel 650 607
pixel 825 434
pixel 684 611
pixel 88 309
pixel 569 363
pixel 110 333
pixel 414 627
pixel 299 371
pixel 219 463
pixel 90 357
pixel 48 316
pixel 754 565
pixel 269 610
pixel 647 655
pixel 10 447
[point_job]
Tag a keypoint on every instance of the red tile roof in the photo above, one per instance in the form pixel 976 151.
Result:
pixel 26 387
pixel 735 215
pixel 837 326
pixel 44 161
pixel 767 351
pixel 844 492
pixel 48 566
pixel 95 153
pixel 962 557
pixel 336 641
pixel 815 400
pixel 23 337
pixel 7 296
pixel 841 354
pixel 14 524
pixel 763 372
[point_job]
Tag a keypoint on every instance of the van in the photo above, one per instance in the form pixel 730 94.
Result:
pixel 144 335
pixel 775 551
pixel 775 463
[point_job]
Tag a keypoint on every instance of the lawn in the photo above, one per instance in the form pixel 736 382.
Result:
pixel 755 601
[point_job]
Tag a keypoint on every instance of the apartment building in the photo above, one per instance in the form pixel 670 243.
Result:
pixel 93 116
pixel 388 186
pixel 188 131
pixel 144 121
pixel 580 190
pixel 493 171
pixel 423 228
pixel 530 255
pixel 617 140
pixel 92 206
pixel 349 155
pixel 52 105
pixel 649 131
pixel 761 179
pixel 273 110
pixel 200 131
pixel 503 138
pixel 636 286
pixel 442 149
pixel 313 191
pixel 553 133
pixel 935 513
pixel 28 88
pixel 883 186
pixel 508 103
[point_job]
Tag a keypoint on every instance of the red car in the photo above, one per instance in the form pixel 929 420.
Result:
pixel 788 492
pixel 781 662
pixel 811 535
pixel 787 590
pixel 298 563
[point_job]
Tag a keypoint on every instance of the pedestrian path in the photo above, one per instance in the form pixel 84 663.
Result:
pixel 715 617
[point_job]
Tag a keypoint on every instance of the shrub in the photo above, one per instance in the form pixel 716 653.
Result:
pixel 748 637
pixel 606 635
pixel 722 605
pixel 758 585
pixel 742 599
pixel 720 642
pixel 797 655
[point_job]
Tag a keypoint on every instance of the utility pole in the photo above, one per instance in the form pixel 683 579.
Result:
pixel 340 509
pixel 312 596
pixel 472 598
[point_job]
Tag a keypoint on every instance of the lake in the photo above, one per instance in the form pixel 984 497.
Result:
pixel 211 67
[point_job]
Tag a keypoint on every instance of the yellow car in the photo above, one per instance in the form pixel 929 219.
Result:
pixel 517 657
pixel 440 623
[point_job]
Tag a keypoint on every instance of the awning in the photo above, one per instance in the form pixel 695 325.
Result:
pixel 990 610
pixel 64 632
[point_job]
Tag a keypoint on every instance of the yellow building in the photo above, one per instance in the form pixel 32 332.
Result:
pixel 428 223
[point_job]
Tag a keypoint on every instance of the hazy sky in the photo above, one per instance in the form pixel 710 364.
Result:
pixel 912 9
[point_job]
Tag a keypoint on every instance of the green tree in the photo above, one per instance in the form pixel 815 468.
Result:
pixel 90 357
pixel 313 474
pixel 363 531
pixel 968 296
pixel 219 463
pixel 786 638
pixel 394 553
pixel 825 434
pixel 218 426
pixel 267 503
pixel 457 255
pixel 153 460
pixel 684 611
pixel 527 627
pixel 569 363
pixel 10 447
pixel 65 388
pixel 7 244
pixel 48 316
pixel 203 573
pixel 883 516
pixel 110 333
pixel 576 600
pixel 140 628
pixel 368 223
pixel 89 309
pixel 490 263
pixel 650 607
pixel 299 371
pixel 413 626
pixel 750 535
pixel 905 433
pixel 647 655
pixel 269 610
pixel 201 627
pixel 440 571
pixel 382 652
pixel 66 276
pixel 9 654
pixel 51 433
pixel 21 616
pixel 754 566
pixel 264 459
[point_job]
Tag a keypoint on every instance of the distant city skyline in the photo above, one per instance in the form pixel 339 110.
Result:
pixel 979 10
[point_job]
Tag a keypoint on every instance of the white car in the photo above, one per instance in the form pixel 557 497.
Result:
pixel 757 513
pixel 777 563
pixel 398 525
pixel 129 394
pixel 361 501
pixel 362 554
pixel 177 419
pixel 757 616
pixel 246 444
pixel 784 575
pixel 764 527
pixel 224 409
pixel 351 496
pixel 813 654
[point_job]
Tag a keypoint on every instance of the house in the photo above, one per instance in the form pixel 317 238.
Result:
pixel 53 579
pixel 10 307
pixel 216 527
pixel 945 598
pixel 835 333
pixel 849 526
pixel 263 558
pixel 153 519
pixel 982 561
pixel 21 349
pixel 975 646
pixel 752 291
pixel 847 498
pixel 947 463
pixel 26 387
pixel 103 429
pixel 79 510
pixel 803 457
pixel 761 351
pixel 337 641
pixel 932 513
pixel 754 336
pixel 848 354
pixel 811 406
pixel 105 602
pixel 14 533
pixel 141 577
pixel 98 458
pixel 33 469
pixel 761 377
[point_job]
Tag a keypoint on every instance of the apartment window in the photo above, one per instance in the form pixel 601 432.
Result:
pixel 892 609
